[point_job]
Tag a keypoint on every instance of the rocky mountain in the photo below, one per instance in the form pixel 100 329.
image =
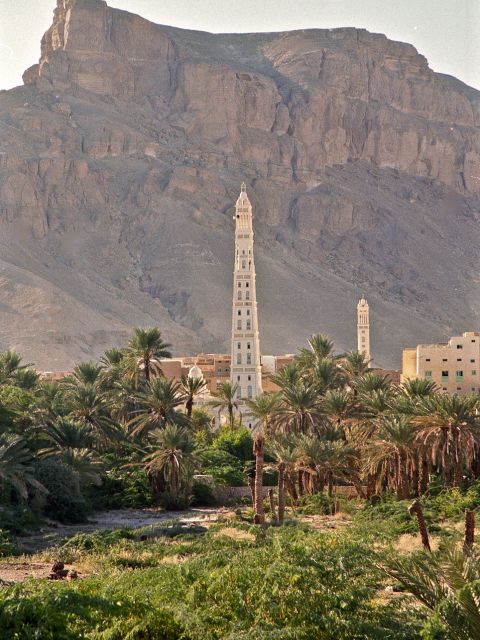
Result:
pixel 122 155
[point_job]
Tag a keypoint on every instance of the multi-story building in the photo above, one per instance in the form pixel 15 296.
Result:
pixel 454 365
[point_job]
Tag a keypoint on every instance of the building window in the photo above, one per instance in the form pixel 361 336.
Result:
pixel 249 358
pixel 239 284
pixel 239 313
pixel 249 378
pixel 248 312
pixel 247 284
pixel 239 345
pixel 459 388
pixel 239 392
pixel 459 359
pixel 428 375
pixel 238 378
pixel 444 359
pixel 459 375
pixel 473 339
pixel 249 391
pixel 249 325
pixel 247 295
pixel 244 264
pixel 427 359
pixel 444 374
pixel 444 388
pixel 248 345
pixel 459 346
pixel 239 296
pixel 239 358
pixel 239 325
pixel 474 372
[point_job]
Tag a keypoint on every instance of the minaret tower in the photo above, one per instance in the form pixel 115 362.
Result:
pixel 363 328
pixel 245 368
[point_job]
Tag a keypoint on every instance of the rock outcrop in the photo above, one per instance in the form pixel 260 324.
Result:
pixel 122 155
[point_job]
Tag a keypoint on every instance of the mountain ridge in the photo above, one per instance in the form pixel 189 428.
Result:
pixel 124 152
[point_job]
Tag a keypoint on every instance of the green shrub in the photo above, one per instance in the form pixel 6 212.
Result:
pixel 174 501
pixel 121 489
pixel 202 495
pixel 96 541
pixel 224 467
pixel 7 547
pixel 317 504
pixel 237 442
pixel 64 501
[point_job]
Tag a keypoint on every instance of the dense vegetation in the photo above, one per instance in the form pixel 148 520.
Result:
pixel 118 433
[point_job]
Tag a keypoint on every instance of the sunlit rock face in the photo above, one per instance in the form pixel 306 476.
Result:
pixel 121 159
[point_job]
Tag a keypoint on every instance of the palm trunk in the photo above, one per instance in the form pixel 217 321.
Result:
pixel 301 484
pixel 251 484
pixel 189 407
pixel 291 489
pixel 281 492
pixel 415 508
pixel 469 530
pixel 146 365
pixel 258 450
pixel 272 505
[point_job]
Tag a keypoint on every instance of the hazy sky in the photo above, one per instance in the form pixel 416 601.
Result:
pixel 447 32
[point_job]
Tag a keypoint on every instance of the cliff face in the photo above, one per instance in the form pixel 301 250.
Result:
pixel 123 153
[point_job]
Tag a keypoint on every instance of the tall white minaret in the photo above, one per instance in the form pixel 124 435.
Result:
pixel 363 328
pixel 246 369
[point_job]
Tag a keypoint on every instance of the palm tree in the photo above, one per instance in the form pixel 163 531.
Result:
pixel 340 408
pixel 326 375
pixel 158 407
pixel 170 459
pixel 144 351
pixel 288 376
pixel 445 583
pixel 283 450
pixel 263 409
pixel 391 453
pixel 201 420
pixel 191 387
pixel 10 366
pixel 226 398
pixel 329 460
pixel 84 373
pixel 89 407
pixel 320 347
pixel 71 442
pixel 354 366
pixel 299 409
pixel 15 466
pixel 418 388
pixel 449 426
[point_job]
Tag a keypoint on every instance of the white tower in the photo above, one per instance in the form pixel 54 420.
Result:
pixel 363 328
pixel 246 369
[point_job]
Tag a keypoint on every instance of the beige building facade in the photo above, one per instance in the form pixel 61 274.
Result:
pixel 454 365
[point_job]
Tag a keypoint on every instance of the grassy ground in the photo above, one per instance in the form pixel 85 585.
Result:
pixel 223 578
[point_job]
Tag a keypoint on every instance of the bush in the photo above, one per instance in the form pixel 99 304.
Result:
pixel 236 442
pixel 317 504
pixel 225 468
pixel 64 501
pixel 96 541
pixel 121 489
pixel 174 501
pixel 202 495
pixel 7 547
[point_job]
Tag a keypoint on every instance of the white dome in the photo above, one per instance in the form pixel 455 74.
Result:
pixel 195 372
